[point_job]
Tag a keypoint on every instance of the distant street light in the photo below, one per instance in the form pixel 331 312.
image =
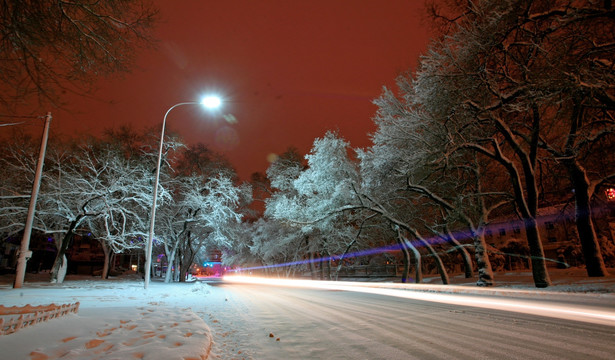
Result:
pixel 210 102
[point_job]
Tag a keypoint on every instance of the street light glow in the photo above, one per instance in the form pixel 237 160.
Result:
pixel 211 101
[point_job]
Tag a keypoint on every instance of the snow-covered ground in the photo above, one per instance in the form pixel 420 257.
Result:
pixel 118 319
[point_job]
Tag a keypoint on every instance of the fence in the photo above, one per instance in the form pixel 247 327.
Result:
pixel 368 270
pixel 31 315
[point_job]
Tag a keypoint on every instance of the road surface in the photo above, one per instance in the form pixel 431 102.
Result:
pixel 271 322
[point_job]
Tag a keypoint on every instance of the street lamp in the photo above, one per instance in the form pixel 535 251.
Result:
pixel 209 102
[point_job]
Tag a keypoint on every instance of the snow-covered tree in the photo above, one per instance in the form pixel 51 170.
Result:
pixel 315 197
pixel 505 78
pixel 279 247
pixel 281 176
pixel 98 186
pixel 17 159
pixel 201 215
pixel 408 173
pixel 120 222
pixel 67 197
pixel 285 170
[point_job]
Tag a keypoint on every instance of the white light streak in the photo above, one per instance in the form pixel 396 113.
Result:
pixel 476 297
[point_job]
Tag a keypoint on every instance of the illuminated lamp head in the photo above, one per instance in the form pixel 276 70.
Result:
pixel 211 102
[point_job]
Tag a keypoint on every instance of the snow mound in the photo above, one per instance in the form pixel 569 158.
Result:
pixel 123 333
pixel 117 319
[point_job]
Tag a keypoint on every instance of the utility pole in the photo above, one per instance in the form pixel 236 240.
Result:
pixel 24 252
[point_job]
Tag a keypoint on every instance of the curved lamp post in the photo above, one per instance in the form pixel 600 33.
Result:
pixel 210 102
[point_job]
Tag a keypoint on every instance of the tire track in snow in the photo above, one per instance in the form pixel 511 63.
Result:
pixel 320 328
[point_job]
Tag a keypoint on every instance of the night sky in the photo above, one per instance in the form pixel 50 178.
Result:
pixel 288 72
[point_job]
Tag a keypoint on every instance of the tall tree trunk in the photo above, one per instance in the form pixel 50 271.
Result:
pixel 176 272
pixel 539 263
pixel 526 197
pixel 112 264
pixel 57 262
pixel 407 244
pixel 485 271
pixel 405 255
pixel 311 258
pixel 418 265
pixel 61 262
pixel 321 269
pixel 437 259
pixel 354 241
pixel 186 263
pixel 180 268
pixel 188 254
pixel 405 258
pixel 539 267
pixel 594 263
pixel 170 259
pixel 341 259
pixel 465 256
pixel 312 267
pixel 61 272
pixel 528 206
pixel 107 252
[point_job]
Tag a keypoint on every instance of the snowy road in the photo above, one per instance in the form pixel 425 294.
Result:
pixel 328 324
pixel 119 319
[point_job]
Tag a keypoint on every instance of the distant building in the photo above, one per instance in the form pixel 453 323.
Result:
pixel 85 255
pixel 558 232
pixel 41 245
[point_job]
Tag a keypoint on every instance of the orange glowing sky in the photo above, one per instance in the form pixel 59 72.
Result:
pixel 288 71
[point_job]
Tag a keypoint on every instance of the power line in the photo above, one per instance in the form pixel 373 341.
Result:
pixel 10 124
pixel 24 116
pixel 19 117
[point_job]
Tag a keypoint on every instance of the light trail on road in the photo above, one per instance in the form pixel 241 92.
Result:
pixel 475 297
pixel 313 320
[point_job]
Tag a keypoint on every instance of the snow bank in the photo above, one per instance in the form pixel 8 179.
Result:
pixel 123 333
pixel 116 320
